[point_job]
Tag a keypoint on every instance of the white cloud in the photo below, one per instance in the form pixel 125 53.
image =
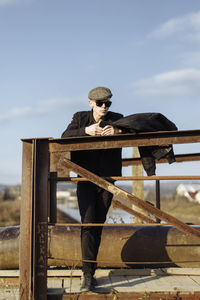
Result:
pixel 40 108
pixel 16 112
pixel 178 83
pixel 188 27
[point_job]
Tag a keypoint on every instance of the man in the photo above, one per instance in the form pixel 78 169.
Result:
pixel 94 201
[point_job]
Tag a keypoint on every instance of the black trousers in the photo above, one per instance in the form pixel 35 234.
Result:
pixel 94 203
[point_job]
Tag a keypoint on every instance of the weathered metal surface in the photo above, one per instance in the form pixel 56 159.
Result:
pixel 119 193
pixel 125 140
pixel 34 220
pixel 179 158
pixel 158 197
pixel 52 201
pixel 40 219
pixel 163 245
pixel 133 246
pixel 122 246
pixel 25 247
pixel 130 178
pixel 127 296
pixel 55 166
pixel 137 186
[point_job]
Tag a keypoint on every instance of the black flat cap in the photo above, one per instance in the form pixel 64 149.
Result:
pixel 100 93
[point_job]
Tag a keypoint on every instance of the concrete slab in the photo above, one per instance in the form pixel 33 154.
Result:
pixel 119 281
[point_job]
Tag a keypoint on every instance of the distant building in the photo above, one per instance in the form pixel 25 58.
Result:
pixel 67 197
pixel 63 194
pixel 190 191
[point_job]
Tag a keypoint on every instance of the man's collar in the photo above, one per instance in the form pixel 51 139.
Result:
pixel 104 117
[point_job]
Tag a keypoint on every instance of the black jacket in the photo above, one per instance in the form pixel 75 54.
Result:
pixel 147 122
pixel 142 122
pixel 104 162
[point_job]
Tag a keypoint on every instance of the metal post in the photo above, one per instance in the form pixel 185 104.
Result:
pixel 53 200
pixel 40 219
pixel 158 197
pixel 25 246
pixel 34 220
pixel 137 186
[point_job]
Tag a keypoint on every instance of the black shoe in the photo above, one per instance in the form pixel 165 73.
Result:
pixel 94 282
pixel 87 284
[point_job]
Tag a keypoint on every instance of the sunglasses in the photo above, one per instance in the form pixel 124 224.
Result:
pixel 101 102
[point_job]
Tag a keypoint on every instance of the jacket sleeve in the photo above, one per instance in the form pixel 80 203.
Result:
pixel 74 129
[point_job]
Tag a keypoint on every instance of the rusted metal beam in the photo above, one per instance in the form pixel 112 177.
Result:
pixel 125 140
pixel 137 185
pixel 179 158
pixel 158 197
pixel 34 220
pixel 127 296
pixel 40 219
pixel 52 198
pixel 121 194
pixel 129 178
pixel 25 246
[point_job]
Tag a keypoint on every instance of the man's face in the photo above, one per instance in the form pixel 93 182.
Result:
pixel 100 107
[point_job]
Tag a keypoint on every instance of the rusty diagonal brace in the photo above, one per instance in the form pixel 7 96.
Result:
pixel 121 194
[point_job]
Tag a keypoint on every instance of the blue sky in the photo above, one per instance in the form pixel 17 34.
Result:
pixel 52 52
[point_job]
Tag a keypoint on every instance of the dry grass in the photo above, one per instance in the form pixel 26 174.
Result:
pixel 179 207
pixel 10 212
pixel 183 210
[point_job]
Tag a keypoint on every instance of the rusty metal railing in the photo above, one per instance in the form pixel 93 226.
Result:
pixel 46 161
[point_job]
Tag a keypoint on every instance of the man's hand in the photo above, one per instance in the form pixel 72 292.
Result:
pixel 110 130
pixel 94 129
